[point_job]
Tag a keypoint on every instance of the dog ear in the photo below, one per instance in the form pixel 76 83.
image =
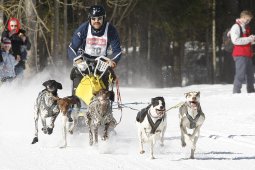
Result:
pixel 47 83
pixel 152 100
pixel 59 85
pixel 162 98
pixel 198 93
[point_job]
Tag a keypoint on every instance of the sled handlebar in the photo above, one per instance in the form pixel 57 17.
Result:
pixel 101 65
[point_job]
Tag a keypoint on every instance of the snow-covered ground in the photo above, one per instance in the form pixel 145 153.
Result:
pixel 227 140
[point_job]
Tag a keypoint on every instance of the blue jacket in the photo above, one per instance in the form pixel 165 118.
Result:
pixel 79 41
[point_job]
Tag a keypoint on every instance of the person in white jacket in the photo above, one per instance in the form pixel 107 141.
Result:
pixel 7 72
pixel 242 53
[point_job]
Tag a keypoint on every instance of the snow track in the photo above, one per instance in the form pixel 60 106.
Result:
pixel 222 145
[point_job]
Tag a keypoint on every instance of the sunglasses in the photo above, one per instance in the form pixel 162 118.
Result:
pixel 97 18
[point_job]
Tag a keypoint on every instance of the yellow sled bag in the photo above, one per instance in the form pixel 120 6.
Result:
pixel 88 87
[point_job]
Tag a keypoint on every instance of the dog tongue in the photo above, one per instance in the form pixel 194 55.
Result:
pixel 193 104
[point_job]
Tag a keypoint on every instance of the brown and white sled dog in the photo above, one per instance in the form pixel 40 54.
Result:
pixel 191 119
pixel 46 107
pixel 69 107
pixel 151 123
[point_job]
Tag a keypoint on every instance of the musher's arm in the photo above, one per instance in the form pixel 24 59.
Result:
pixel 78 39
pixel 114 41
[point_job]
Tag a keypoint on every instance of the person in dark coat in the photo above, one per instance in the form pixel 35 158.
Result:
pixel 20 43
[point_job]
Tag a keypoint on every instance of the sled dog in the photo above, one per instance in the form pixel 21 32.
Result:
pixel 151 123
pixel 67 106
pixel 46 107
pixel 100 114
pixel 191 119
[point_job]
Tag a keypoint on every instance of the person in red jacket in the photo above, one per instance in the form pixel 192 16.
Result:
pixel 242 53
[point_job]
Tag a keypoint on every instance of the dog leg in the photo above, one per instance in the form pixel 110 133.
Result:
pixel 162 137
pixel 140 142
pixel 193 148
pixel 106 131
pixel 96 135
pixel 51 126
pixel 64 121
pixel 182 136
pixel 36 117
pixel 71 126
pixel 90 136
pixel 75 114
pixel 44 126
pixel 152 145
pixel 194 143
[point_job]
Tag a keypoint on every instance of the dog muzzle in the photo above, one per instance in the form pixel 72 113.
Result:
pixel 193 104
pixel 51 88
pixel 160 113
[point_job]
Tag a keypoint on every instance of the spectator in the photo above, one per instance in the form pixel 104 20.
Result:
pixel 242 52
pixel 7 72
pixel 20 43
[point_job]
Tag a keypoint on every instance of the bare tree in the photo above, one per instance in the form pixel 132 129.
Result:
pixel 32 34
pixel 56 31
pixel 1 17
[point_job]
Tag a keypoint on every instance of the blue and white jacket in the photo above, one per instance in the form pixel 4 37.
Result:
pixel 79 41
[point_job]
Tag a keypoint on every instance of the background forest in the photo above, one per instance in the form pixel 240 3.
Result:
pixel 165 42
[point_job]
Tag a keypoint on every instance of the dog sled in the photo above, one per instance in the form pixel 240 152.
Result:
pixel 90 87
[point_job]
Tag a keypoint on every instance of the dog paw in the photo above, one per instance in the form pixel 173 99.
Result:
pixel 49 131
pixel 183 144
pixel 63 146
pixel 70 119
pixel 105 137
pixel 142 152
pixel 71 132
pixel 35 140
pixel 152 157
pixel 44 130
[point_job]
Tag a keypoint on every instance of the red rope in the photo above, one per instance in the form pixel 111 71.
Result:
pixel 118 93
pixel 119 102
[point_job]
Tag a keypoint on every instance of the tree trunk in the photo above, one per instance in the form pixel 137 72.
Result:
pixel 214 41
pixel 64 52
pixel 56 32
pixel 1 18
pixel 31 22
pixel 177 47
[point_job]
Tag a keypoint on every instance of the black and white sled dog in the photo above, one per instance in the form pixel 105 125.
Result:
pixel 191 119
pixel 151 123
pixel 46 106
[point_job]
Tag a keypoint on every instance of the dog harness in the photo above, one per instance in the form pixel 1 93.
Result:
pixel 193 121
pixel 155 125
